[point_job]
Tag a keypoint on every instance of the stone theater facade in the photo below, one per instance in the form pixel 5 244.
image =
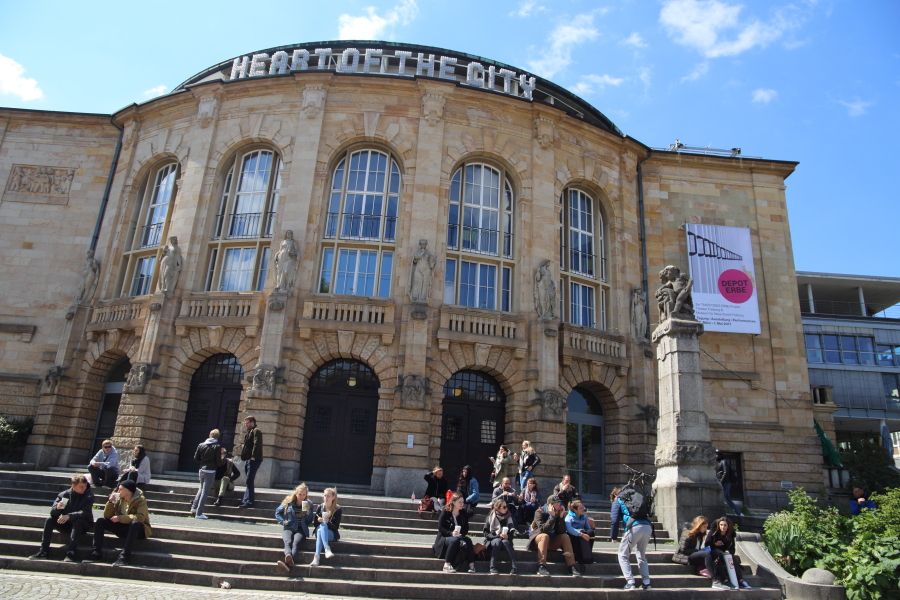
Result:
pixel 393 256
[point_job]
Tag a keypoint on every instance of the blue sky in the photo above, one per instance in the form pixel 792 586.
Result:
pixel 812 81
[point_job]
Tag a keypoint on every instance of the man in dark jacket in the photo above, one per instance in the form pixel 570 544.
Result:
pixel 252 455
pixel 70 513
pixel 548 532
pixel 209 456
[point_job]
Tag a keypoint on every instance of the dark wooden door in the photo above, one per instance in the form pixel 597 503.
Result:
pixel 339 431
pixel 213 404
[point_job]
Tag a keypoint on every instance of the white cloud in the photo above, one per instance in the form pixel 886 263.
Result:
pixel 699 71
pixel 372 25
pixel 590 83
pixel 527 8
pixel 14 83
pixel 155 91
pixel 645 77
pixel 635 40
pixel 764 95
pixel 715 28
pixel 856 107
pixel 562 40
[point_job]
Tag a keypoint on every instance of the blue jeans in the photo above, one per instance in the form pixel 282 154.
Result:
pixel 726 491
pixel 324 536
pixel 250 469
pixel 207 481
pixel 523 480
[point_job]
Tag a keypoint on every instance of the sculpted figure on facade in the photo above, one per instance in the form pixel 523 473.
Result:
pixel 424 262
pixel 545 302
pixel 136 382
pixel 170 267
pixel 313 101
pixel 285 263
pixel 263 379
pixel 433 108
pixel 553 405
pixel 51 379
pixel 413 391
pixel 639 313
pixel 674 295
pixel 90 276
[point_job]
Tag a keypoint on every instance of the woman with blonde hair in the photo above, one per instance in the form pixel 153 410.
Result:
pixel 528 462
pixel 690 546
pixel 328 519
pixel 294 514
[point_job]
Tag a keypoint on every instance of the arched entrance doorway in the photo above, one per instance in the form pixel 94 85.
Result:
pixel 339 432
pixel 584 441
pixel 473 424
pixel 213 404
pixel 109 405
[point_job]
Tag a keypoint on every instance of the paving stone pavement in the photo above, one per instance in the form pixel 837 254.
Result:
pixel 27 586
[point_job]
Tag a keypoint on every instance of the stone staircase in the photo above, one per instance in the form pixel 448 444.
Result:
pixel 385 550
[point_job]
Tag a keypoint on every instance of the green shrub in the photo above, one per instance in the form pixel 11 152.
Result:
pixel 14 434
pixel 863 551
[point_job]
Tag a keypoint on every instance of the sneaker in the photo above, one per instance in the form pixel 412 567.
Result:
pixel 705 573
pixel 574 571
pixel 542 570
pixel 282 566
pixel 630 586
pixel 121 562
pixel 645 586
pixel 494 571
pixel 288 560
pixel 471 567
pixel 745 585
pixel 329 553
pixel 70 558
pixel 40 554
pixel 448 568
pixel 513 571
pixel 218 502
pixel 95 555
pixel 202 517
pixel 718 585
pixel 315 562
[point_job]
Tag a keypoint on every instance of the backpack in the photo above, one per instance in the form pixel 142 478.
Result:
pixel 636 506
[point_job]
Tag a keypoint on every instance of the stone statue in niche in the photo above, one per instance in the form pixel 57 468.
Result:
pixel 424 262
pixel 137 378
pixel 90 275
pixel 285 262
pixel 51 379
pixel 545 302
pixel 639 313
pixel 413 391
pixel 170 267
pixel 674 295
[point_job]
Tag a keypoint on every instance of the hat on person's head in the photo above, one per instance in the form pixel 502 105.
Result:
pixel 129 485
pixel 554 499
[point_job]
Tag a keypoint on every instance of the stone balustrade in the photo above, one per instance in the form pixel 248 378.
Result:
pixel 224 309
pixel 123 313
pixel 469 325
pixel 332 314
pixel 592 344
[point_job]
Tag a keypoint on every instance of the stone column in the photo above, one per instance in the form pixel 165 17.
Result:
pixel 686 484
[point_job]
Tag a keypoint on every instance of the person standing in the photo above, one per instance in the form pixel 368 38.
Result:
pixel 71 514
pixel 252 455
pixel 209 455
pixel 504 465
pixel 725 475
pixel 127 516
pixel 637 535
pixel 104 467
pixel 528 462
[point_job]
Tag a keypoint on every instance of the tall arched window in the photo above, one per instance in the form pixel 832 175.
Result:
pixel 479 268
pixel 242 228
pixel 361 226
pixel 148 230
pixel 584 289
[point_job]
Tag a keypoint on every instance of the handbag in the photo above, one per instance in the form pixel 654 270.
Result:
pixel 426 504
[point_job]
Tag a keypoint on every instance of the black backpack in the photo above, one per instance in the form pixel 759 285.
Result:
pixel 637 505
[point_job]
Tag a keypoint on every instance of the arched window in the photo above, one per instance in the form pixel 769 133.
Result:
pixel 479 267
pixel 361 226
pixel 148 230
pixel 242 228
pixel 584 290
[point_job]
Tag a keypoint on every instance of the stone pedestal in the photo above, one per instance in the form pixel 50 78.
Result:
pixel 686 484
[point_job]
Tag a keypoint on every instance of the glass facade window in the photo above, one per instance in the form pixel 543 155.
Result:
pixel 480 239
pixel 846 350
pixel 361 226
pixel 148 230
pixel 582 260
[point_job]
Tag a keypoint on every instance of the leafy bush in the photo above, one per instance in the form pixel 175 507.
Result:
pixel 14 434
pixel 862 551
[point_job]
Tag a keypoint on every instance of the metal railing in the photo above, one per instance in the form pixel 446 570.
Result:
pixel 151 235
pixel 847 309
pixel 582 263
pixel 479 240
pixel 242 226
pixel 357 226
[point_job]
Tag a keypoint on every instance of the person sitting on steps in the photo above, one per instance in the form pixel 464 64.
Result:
pixel 580 528
pixel 499 532
pixel 328 519
pixel 467 487
pixel 506 492
pixel 720 539
pixel 452 542
pixel 127 516
pixel 71 514
pixel 436 489
pixel 226 475
pixel 294 514
pixel 139 470
pixel 566 491
pixel 690 546
pixel 548 532
pixel 104 467
pixel 529 501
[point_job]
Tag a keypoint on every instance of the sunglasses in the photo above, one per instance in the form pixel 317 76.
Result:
pixel 107 447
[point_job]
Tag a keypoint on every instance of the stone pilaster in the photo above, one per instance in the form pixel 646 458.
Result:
pixel 685 483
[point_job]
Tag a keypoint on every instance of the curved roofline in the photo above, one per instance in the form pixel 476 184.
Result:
pixel 546 92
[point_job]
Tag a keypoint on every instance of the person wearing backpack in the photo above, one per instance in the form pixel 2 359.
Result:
pixel 209 455
pixel 634 508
